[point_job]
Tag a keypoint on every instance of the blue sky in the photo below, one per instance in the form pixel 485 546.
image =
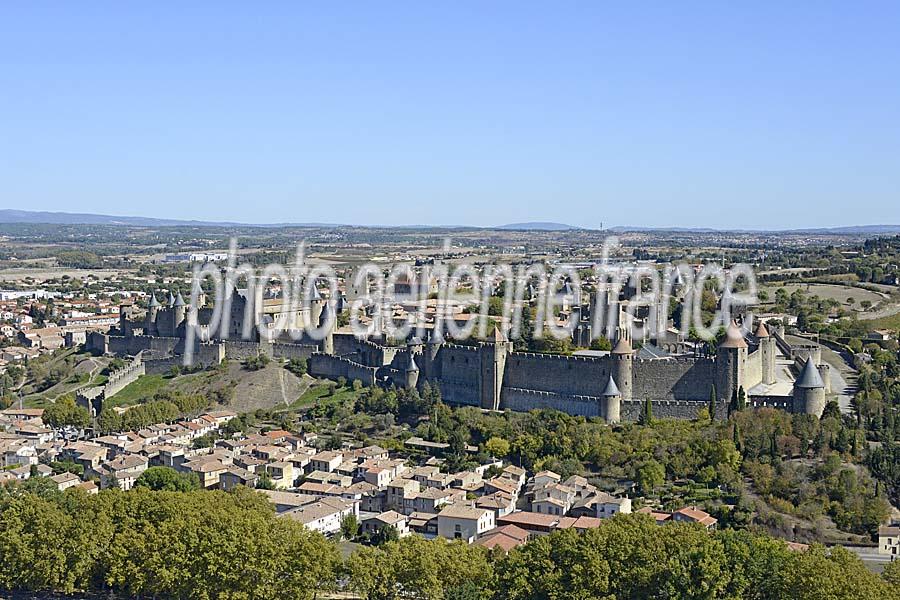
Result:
pixel 681 114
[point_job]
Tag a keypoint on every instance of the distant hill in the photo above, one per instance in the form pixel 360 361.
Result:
pixel 538 226
pixel 65 218
pixel 8 215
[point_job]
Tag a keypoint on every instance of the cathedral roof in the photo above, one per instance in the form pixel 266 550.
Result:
pixel 809 377
pixel 611 388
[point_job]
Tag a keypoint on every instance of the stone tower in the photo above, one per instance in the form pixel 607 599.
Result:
pixel 412 373
pixel 611 402
pixel 152 313
pixel 493 355
pixel 767 353
pixel 809 391
pixel 430 361
pixel 730 360
pixel 316 305
pixel 327 322
pixel 180 308
pixel 623 367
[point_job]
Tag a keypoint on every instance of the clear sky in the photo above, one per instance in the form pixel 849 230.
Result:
pixel 774 115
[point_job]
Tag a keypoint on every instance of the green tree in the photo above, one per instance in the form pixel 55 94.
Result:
pixel 497 447
pixel 650 476
pixel 414 567
pixel 349 526
pixel 65 413
pixel 265 482
pixel 167 479
pixel 647 412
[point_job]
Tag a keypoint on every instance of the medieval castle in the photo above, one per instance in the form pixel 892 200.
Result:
pixel 763 368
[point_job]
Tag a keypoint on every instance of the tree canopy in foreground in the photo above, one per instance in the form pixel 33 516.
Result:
pixel 200 544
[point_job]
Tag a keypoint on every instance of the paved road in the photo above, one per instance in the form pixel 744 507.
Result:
pixel 874 561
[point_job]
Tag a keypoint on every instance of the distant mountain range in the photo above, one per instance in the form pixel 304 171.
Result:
pixel 65 218
pixel 538 226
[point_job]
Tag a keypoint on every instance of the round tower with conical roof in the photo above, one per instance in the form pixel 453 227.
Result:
pixel 152 313
pixel 412 372
pixel 316 304
pixel 430 362
pixel 611 402
pixel 327 322
pixel 809 391
pixel 623 367
pixel 180 309
pixel 731 357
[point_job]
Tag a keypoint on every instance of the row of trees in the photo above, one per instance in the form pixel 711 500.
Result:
pixel 160 545
pixel 230 545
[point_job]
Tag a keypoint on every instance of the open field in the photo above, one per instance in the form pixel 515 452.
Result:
pixel 841 293
pixel 891 322
pixel 55 273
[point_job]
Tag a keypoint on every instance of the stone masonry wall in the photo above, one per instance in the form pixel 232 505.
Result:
pixel 519 399
pixel 753 371
pixel 674 379
pixel 557 374
pixel 332 367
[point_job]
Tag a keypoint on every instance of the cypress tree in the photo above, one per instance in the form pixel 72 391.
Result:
pixel 712 402
pixel 647 415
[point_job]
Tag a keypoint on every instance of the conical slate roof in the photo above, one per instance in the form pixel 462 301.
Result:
pixel 761 331
pixel 326 313
pixel 171 300
pixel 412 366
pixel 611 389
pixel 733 337
pixel 809 377
pixel 436 336
pixel 154 303
pixel 179 301
pixel 623 346
pixel 314 292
